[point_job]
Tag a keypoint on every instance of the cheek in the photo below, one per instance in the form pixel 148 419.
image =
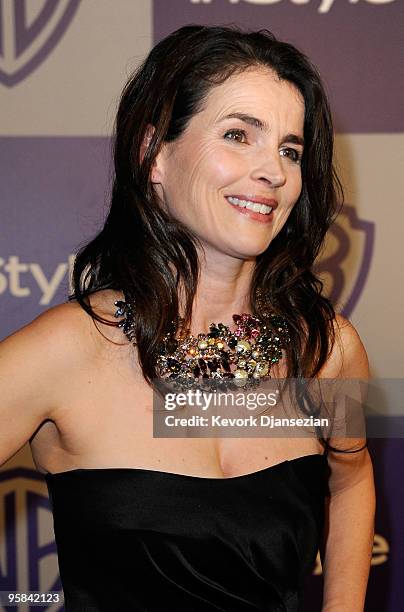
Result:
pixel 223 168
pixel 294 188
pixel 193 174
pixel 299 185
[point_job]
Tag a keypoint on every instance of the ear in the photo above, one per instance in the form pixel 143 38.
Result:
pixel 156 174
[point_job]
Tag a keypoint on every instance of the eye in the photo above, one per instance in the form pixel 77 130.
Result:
pixel 236 132
pixel 294 155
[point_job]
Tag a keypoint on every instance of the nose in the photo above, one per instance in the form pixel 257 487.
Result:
pixel 269 168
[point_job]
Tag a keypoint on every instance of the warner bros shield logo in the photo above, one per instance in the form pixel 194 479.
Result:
pixel 345 262
pixel 28 556
pixel 29 31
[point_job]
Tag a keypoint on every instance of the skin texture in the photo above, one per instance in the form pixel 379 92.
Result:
pixel 346 549
pixel 83 395
pixel 194 173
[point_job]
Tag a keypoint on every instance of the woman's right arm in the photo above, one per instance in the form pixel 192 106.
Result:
pixel 33 364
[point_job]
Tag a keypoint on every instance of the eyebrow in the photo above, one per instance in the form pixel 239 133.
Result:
pixel 262 125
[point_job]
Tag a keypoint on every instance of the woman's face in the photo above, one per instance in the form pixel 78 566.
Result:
pixel 220 157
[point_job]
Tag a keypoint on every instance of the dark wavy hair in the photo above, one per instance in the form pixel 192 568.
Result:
pixel 148 255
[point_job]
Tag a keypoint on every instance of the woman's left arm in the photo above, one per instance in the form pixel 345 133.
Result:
pixel 346 550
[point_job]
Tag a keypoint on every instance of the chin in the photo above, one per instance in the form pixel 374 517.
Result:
pixel 249 251
pixel 235 245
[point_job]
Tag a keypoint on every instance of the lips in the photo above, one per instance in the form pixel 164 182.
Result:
pixel 260 216
pixel 256 199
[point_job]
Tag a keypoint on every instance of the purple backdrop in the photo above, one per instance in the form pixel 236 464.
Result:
pixel 360 61
pixel 54 193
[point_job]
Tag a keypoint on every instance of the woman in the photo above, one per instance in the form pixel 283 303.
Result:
pixel 224 189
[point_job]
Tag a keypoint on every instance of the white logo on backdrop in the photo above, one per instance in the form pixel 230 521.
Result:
pixel 324 5
pixel 16 276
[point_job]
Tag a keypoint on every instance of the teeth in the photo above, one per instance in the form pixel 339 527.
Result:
pixel 261 208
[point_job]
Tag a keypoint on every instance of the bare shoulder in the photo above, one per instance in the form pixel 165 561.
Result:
pixel 33 365
pixel 348 358
pixel 47 346
pixel 65 331
pixel 71 319
pixel 59 322
pixel 44 365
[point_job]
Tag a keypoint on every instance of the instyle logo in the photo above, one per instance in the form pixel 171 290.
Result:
pixel 28 561
pixel 29 31
pixel 324 6
pixel 23 280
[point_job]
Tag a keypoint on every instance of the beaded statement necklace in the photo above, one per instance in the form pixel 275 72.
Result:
pixel 222 358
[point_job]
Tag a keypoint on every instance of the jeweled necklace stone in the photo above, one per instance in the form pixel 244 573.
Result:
pixel 227 359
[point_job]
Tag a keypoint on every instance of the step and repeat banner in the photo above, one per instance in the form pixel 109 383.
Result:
pixel 63 64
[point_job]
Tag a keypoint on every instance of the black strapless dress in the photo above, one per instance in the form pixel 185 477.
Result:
pixel 144 540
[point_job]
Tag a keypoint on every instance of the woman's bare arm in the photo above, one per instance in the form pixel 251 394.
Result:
pixel 33 363
pixel 348 538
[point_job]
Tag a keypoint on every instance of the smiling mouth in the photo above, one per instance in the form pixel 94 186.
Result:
pixel 263 209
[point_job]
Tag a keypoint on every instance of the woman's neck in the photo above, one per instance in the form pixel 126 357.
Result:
pixel 223 290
